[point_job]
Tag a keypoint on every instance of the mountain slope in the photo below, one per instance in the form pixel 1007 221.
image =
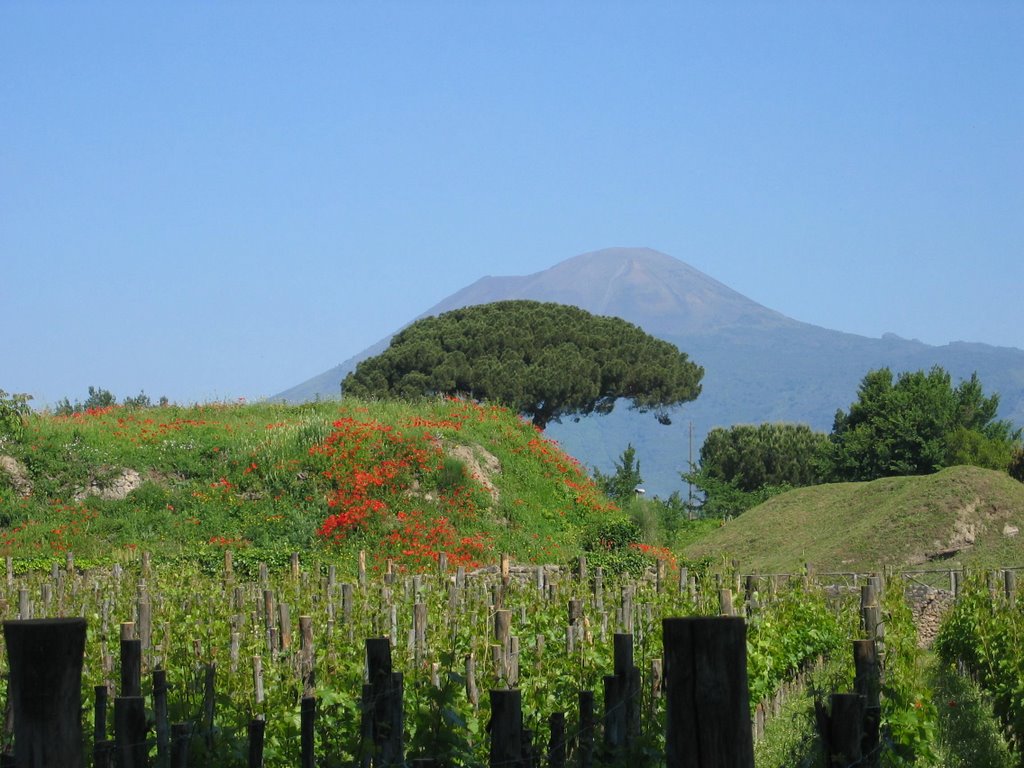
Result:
pixel 759 364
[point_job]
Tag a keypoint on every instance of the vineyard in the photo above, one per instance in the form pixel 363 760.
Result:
pixel 287 648
pixel 982 637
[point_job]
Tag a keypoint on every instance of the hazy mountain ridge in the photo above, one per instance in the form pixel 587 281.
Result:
pixel 760 365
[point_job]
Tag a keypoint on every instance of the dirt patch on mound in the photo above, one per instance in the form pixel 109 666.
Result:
pixel 481 464
pixel 16 472
pixel 965 532
pixel 123 483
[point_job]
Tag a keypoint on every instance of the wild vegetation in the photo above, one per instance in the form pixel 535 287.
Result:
pixel 981 637
pixel 403 481
pixel 917 425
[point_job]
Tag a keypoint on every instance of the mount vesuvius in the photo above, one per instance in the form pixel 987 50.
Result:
pixel 759 364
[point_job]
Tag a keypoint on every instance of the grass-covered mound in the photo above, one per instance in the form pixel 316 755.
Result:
pixel 402 481
pixel 965 515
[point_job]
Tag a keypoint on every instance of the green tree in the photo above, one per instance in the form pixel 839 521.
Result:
pixel 14 411
pixel 98 398
pixel 544 360
pixel 1016 468
pixel 723 499
pixel 744 465
pixel 916 425
pixel 141 400
pixel 621 485
pixel 750 457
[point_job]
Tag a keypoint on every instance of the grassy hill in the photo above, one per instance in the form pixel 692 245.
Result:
pixel 398 480
pixel 407 481
pixel 958 515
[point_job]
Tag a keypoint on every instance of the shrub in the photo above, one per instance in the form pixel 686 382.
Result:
pixel 14 411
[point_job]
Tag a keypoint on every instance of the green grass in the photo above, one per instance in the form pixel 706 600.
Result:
pixel 439 474
pixel 897 521
pixel 969 734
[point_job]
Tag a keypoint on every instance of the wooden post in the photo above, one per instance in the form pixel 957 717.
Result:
pixel 366 745
pixel 145 610
pixel 130 731
pixel 841 730
pixel 45 690
pixel 419 616
pixel 386 699
pixel 867 683
pixel 257 679
pixel 629 686
pixel 162 722
pixel 257 733
pixel 103 753
pixel 628 593
pixel 308 655
pixel 871 613
pixel 209 700
pixel 1010 585
pixel 284 616
pixel 506 728
pixel 270 620
pixel 131 665
pixel 707 709
pixel 614 713
pixel 867 675
pixel 307 722
pixel 347 603
pixel 556 744
pixel 99 718
pixel 725 602
pixel 575 612
pixel 750 593
pixel 586 729
pixel 503 628
pixel 471 690
pixel 181 733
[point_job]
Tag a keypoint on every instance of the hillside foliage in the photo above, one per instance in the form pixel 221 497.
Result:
pixel 622 484
pixel 403 482
pixel 543 360
pixel 916 425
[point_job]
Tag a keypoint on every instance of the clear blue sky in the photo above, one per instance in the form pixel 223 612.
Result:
pixel 216 200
